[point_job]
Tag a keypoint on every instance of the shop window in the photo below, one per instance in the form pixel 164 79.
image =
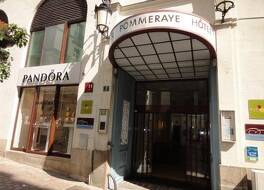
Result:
pixel 49 46
pixel 44 115
pixel 23 119
pixel 45 120
pixel 65 117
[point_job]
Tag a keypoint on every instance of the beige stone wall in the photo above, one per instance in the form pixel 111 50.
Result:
pixel 240 51
pixel 88 166
pixel 234 178
pixel 2 146
pixel 96 68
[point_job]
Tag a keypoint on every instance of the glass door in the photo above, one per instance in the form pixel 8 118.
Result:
pixel 45 106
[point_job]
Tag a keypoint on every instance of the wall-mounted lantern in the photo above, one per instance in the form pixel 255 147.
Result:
pixel 103 14
pixel 223 7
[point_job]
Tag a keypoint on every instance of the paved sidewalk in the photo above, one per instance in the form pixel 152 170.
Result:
pixel 15 176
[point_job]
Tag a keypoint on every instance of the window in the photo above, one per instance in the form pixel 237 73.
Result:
pixel 23 119
pixel 50 46
pixel 75 42
pixel 45 120
pixel 65 117
pixel 36 43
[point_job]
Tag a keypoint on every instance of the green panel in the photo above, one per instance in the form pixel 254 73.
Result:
pixel 256 109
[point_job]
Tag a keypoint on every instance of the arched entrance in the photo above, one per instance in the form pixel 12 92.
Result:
pixel 161 113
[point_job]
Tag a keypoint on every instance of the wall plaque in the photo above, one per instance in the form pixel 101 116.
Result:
pixel 256 109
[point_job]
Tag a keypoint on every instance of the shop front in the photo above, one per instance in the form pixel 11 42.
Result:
pixel 164 98
pixel 46 112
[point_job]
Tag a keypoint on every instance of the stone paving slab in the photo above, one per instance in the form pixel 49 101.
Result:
pixel 15 176
pixel 144 186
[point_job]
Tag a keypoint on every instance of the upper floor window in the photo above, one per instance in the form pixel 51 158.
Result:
pixel 61 43
pixel 57 32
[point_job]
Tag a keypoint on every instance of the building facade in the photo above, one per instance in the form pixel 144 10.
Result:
pixel 171 92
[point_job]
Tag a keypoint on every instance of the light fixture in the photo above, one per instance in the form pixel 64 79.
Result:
pixel 103 14
pixel 224 7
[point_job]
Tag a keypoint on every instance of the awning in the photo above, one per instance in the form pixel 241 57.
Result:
pixel 163 45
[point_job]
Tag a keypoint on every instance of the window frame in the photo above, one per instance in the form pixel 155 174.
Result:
pixel 33 115
pixel 64 45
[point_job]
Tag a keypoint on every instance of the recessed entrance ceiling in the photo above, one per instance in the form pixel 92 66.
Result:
pixel 161 53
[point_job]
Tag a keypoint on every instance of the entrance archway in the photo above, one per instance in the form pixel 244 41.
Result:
pixel 160 48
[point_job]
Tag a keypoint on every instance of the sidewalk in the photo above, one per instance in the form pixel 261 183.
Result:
pixel 15 176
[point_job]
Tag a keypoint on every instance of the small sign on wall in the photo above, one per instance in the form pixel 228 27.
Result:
pixel 254 132
pixel 256 109
pixel 103 120
pixel 85 123
pixel 252 153
pixel 86 107
pixel 88 87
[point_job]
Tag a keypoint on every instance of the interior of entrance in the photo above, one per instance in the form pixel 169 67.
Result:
pixel 171 133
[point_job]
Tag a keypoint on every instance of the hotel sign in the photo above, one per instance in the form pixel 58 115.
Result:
pixel 49 75
pixel 165 20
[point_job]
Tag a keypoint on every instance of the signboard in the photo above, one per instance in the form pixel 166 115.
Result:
pixel 86 107
pixel 88 87
pixel 85 123
pixel 252 153
pixel 103 117
pixel 165 19
pixel 256 109
pixel 254 132
pixel 68 73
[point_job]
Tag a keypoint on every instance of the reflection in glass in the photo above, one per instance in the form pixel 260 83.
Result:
pixel 65 120
pixel 23 118
pixel 52 44
pixel 35 48
pixel 44 114
pixel 75 42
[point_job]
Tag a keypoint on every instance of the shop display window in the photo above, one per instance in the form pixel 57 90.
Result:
pixel 45 120
pixel 65 117
pixel 44 113
pixel 24 119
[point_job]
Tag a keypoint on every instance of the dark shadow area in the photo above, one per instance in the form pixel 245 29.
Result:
pixel 244 184
pixel 7 182
pixel 226 146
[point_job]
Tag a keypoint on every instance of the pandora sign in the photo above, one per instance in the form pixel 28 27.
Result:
pixel 49 75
